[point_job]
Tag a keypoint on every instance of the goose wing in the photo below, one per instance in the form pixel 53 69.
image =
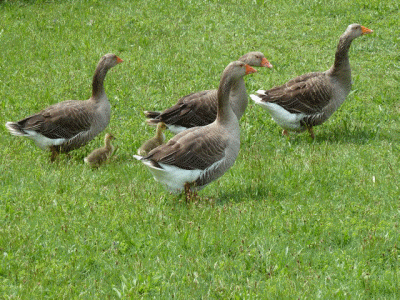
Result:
pixel 307 94
pixel 62 120
pixel 197 109
pixel 195 150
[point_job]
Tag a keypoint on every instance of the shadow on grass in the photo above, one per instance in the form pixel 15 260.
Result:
pixel 359 136
pixel 355 135
pixel 241 193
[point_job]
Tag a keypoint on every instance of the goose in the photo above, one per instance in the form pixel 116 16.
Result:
pixel 200 109
pixel 155 141
pixel 100 155
pixel 310 99
pixel 70 124
pixel 195 157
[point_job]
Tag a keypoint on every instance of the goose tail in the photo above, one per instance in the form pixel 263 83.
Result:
pixel 152 122
pixel 151 114
pixel 256 98
pixel 15 129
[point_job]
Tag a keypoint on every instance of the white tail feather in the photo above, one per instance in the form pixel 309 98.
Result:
pixel 14 129
pixel 255 98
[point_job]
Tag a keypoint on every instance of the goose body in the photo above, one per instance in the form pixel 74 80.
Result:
pixel 100 155
pixel 155 141
pixel 199 155
pixel 310 99
pixel 200 109
pixel 70 124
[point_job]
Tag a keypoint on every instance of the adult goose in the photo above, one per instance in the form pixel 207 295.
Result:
pixel 155 141
pixel 70 124
pixel 310 99
pixel 100 155
pixel 197 156
pixel 200 109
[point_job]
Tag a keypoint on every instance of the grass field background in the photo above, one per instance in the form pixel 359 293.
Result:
pixel 294 218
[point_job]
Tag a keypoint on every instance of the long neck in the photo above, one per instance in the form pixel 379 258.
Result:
pixel 238 97
pixel 224 112
pixel 98 80
pixel 342 55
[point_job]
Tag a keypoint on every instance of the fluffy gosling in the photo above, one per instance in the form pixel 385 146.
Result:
pixel 154 142
pixel 100 155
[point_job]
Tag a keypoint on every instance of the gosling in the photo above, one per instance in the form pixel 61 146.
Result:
pixel 100 155
pixel 155 141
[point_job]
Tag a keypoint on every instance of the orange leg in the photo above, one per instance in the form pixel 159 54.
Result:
pixel 285 132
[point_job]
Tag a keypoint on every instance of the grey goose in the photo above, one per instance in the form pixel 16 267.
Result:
pixel 197 156
pixel 200 109
pixel 310 99
pixel 70 124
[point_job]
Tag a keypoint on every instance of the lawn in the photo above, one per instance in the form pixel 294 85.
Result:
pixel 294 218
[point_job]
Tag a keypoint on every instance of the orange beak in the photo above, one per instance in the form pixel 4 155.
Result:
pixel 266 63
pixel 365 30
pixel 249 70
pixel 119 60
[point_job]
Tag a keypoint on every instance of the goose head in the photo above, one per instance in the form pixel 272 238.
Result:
pixel 355 30
pixel 237 69
pixel 255 59
pixel 109 60
pixel 232 73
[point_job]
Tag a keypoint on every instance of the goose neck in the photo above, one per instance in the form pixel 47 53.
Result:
pixel 98 82
pixel 342 54
pixel 224 112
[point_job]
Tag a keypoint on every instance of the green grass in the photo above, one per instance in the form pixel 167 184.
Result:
pixel 292 219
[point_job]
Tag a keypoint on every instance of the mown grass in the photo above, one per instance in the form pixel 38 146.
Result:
pixel 293 218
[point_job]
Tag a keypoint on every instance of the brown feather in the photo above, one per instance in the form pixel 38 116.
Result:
pixel 200 109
